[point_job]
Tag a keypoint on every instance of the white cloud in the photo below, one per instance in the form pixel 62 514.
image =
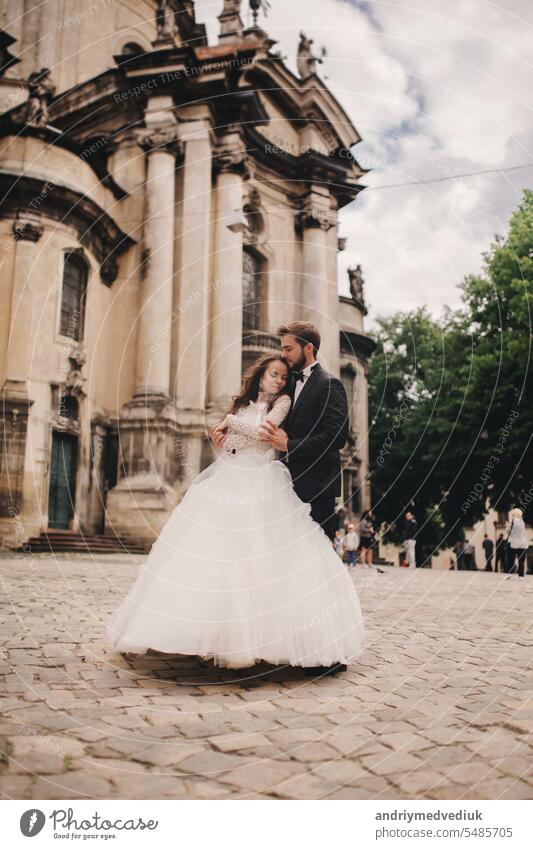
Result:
pixel 434 89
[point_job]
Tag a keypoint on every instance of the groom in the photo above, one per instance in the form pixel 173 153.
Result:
pixel 313 433
pixel 316 427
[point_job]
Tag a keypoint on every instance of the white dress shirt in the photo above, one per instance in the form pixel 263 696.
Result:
pixel 301 383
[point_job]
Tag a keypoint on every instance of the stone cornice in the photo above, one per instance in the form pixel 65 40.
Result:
pixel 354 344
pixel 310 167
pixel 96 230
pixel 53 136
pixel 28 227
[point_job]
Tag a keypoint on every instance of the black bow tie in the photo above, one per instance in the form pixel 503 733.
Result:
pixel 299 375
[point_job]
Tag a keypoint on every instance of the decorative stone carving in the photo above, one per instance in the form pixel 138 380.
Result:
pixel 165 22
pixel 41 91
pixel 74 383
pixel 160 138
pixel 109 270
pixel 256 230
pixel 27 227
pixel 232 158
pixel 357 284
pixel 315 215
pixel 322 127
pixel 306 61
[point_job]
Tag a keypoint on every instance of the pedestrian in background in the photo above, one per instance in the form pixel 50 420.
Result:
pixel 459 554
pixel 500 554
pixel 488 548
pixel 411 528
pixel 469 553
pixel 518 542
pixel 367 535
pixel 350 544
pixel 338 543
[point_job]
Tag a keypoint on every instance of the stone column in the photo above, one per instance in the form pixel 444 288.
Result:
pixel 26 232
pixel 225 361
pixel 15 401
pixel 192 295
pixel 314 221
pixel 144 495
pixel 154 336
pixel 194 273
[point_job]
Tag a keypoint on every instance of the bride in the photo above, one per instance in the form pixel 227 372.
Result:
pixel 241 573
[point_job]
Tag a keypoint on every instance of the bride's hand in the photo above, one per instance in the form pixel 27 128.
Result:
pixel 218 433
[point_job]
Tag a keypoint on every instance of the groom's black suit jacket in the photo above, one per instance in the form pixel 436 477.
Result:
pixel 317 426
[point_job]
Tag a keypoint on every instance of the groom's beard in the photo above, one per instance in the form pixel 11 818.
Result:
pixel 299 365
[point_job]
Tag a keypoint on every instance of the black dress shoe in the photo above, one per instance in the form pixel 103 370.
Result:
pixel 317 671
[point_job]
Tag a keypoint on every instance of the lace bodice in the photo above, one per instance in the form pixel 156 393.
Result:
pixel 243 426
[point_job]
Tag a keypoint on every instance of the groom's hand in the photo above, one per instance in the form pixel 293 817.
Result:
pixel 275 436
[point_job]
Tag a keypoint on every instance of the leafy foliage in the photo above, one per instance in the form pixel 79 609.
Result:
pixel 450 401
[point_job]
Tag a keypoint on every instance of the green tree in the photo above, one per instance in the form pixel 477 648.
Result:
pixel 450 401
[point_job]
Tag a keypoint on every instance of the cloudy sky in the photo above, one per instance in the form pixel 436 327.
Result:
pixel 435 89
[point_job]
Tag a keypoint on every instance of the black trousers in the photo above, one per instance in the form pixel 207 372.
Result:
pixel 323 512
pixel 521 554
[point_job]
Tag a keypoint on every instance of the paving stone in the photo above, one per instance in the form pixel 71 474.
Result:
pixel 73 785
pixel 418 782
pixel 270 776
pixel 211 764
pixel 238 742
pixel 384 763
pixel 15 786
pixel 166 754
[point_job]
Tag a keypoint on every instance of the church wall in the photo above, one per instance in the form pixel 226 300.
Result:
pixel 77 39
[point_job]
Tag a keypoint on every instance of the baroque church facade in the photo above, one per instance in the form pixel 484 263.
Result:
pixel 166 205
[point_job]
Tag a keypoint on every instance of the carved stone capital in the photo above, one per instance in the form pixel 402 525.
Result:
pixel 160 139
pixel 232 158
pixel 27 228
pixel 314 215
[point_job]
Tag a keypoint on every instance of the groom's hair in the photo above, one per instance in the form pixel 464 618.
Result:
pixel 304 332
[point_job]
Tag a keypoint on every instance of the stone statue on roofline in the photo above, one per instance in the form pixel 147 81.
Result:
pixel 357 285
pixel 306 60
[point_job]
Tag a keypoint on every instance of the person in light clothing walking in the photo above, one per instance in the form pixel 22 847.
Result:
pixel 350 544
pixel 517 541
pixel 411 528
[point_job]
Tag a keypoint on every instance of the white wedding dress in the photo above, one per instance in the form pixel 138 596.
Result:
pixel 240 572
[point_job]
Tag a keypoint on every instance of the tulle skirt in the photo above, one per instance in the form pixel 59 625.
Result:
pixel 240 574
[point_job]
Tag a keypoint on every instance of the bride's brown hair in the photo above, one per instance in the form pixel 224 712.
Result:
pixel 252 379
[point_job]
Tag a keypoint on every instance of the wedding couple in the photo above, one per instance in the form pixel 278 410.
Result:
pixel 244 569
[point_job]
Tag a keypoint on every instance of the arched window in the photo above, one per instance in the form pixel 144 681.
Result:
pixel 132 49
pixel 73 296
pixel 252 292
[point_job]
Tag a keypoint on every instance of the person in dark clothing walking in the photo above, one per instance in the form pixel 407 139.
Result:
pixel 488 548
pixel 500 554
pixel 458 550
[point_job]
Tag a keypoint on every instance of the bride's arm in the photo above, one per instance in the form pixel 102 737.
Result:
pixel 240 425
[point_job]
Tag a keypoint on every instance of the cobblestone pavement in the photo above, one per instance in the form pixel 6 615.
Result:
pixel 439 705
